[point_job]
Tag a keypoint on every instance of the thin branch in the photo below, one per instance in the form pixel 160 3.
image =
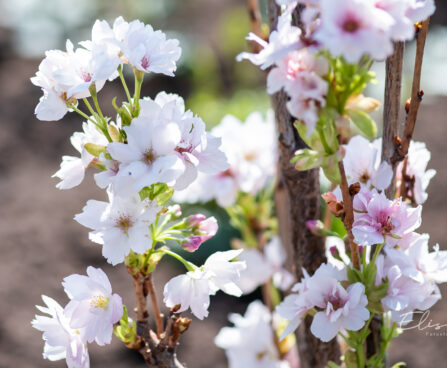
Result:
pixel 157 314
pixel 348 218
pixel 256 22
pixel 403 143
pixel 391 106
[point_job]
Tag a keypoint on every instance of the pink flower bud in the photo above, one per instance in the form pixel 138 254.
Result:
pixel 203 229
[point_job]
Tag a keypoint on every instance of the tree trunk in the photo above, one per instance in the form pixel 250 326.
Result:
pixel 298 200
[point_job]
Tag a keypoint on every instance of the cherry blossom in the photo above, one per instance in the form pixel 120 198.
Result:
pixel 93 308
pixel 166 144
pixel 72 168
pixel 363 164
pixel 61 341
pixel 406 290
pixel 353 28
pixel 341 308
pixel 120 225
pixel 308 293
pixel 379 220
pixel 140 45
pixel 300 74
pixel 193 289
pixel 249 342
pixel 67 76
pixel 284 39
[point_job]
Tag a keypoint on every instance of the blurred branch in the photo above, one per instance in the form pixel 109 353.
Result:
pixel 298 200
pixel 402 144
pixel 256 23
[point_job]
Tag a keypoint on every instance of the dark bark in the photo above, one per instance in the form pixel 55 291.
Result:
pixel 298 200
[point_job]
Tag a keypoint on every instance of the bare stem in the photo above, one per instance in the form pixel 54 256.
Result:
pixel 403 144
pixel 348 219
pixel 157 314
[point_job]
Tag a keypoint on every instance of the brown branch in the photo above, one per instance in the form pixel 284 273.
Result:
pixel 403 143
pixel 348 218
pixel 391 108
pixel 158 316
pixel 256 23
pixel 160 353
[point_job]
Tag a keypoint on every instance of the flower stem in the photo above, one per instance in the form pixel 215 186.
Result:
pixel 157 314
pixel 83 114
pixel 188 265
pixel 123 81
pixel 349 216
pixel 139 76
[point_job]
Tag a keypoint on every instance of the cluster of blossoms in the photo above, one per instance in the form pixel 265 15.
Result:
pixel 154 148
pixel 407 270
pixel 67 76
pixel 89 316
pixel 351 29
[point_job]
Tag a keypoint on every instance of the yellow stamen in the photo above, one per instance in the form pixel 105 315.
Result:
pixel 99 301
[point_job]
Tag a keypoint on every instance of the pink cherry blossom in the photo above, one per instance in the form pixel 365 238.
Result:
pixel 379 220
pixel 353 28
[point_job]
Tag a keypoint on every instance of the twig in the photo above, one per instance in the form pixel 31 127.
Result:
pixel 348 218
pixel 403 143
pixel 391 106
pixel 256 22
pixel 157 314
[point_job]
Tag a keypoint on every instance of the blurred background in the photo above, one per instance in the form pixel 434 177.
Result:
pixel 40 243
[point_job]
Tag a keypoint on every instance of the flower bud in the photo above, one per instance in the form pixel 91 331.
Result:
pixel 202 229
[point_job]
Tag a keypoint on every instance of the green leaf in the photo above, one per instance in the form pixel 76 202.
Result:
pixel 375 306
pixel 370 273
pixel 330 167
pixel 363 121
pixel 354 275
pixel 95 149
pixel 377 293
pixel 306 159
pixel 160 192
pixel 313 140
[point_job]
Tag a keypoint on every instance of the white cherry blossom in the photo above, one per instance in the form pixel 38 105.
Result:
pixel 193 289
pixel 61 341
pixel 93 308
pixel 72 169
pixel 146 49
pixel 120 225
